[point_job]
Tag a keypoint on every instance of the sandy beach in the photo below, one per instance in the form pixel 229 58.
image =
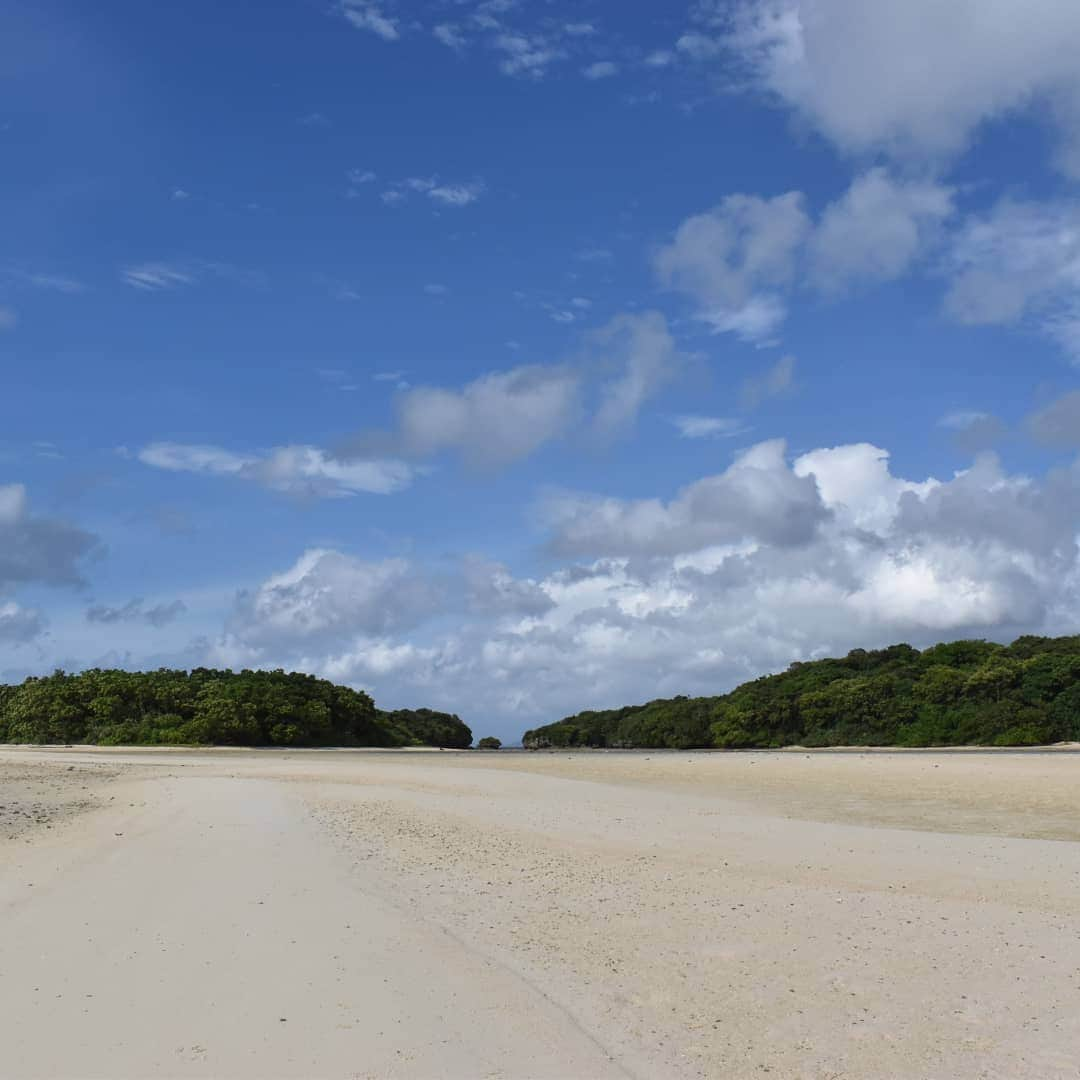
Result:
pixel 364 914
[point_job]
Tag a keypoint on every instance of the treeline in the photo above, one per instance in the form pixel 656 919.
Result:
pixel 208 707
pixel 955 694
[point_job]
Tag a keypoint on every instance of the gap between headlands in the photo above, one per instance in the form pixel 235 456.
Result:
pixel 962 693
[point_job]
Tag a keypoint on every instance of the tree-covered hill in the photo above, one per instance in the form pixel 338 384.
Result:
pixel 207 707
pixel 960 693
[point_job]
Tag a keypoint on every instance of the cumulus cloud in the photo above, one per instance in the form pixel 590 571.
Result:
pixel 493 420
pixel 38 549
pixel 326 594
pixel 303 471
pixel 730 258
pixel 913 79
pixel 136 611
pixel 1020 262
pixel 876 230
pixel 740 573
pixel 741 261
pixel 758 498
pixel 504 416
pixel 491 589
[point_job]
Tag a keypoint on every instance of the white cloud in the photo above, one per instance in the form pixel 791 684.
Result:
pixel 450 35
pixel 358 179
pixel 504 416
pixel 962 419
pixel 740 261
pixel 304 471
pixel 369 15
pixel 326 594
pixel 456 194
pixel 731 258
pixel 9 319
pixel 579 29
pixel 758 498
pixel 1020 262
pixel 660 58
pixel 601 69
pixel 856 485
pixel 876 230
pixel 642 351
pixel 708 427
pixel 740 573
pixel 35 279
pixel 526 55
pixel 914 79
pixel 156 276
pixel 495 419
pixel 699 46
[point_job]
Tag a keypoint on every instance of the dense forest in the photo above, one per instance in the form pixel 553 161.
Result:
pixel 223 708
pixel 960 693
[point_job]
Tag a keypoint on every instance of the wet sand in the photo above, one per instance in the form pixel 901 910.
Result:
pixel 248 914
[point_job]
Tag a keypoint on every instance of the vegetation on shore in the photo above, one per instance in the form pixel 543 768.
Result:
pixel 489 742
pixel 953 694
pixel 208 707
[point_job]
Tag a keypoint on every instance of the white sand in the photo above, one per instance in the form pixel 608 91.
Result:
pixel 382 915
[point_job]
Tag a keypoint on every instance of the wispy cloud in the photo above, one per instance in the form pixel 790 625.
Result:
pixel 303 471
pixel 450 194
pixel 369 15
pixel 50 282
pixel 594 255
pixel 457 194
pixel 708 427
pixel 164 276
pixel 451 36
pixel 155 277
pixel 526 55
pixel 779 379
pixel 136 611
pixel 602 69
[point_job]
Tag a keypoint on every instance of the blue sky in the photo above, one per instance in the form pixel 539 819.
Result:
pixel 517 357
